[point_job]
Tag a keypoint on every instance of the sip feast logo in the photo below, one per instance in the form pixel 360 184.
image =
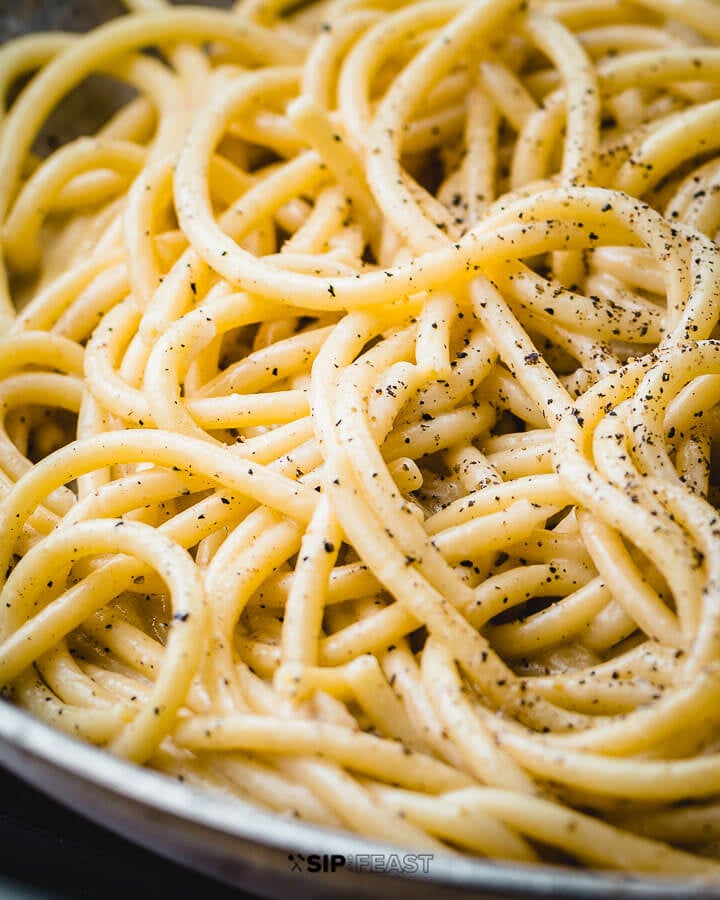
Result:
pixel 398 863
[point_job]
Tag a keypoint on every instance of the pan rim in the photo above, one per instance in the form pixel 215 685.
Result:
pixel 34 740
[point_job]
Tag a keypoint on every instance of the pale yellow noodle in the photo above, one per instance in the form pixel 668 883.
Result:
pixel 358 411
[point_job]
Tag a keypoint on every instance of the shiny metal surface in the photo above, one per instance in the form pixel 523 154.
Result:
pixel 233 841
pixel 249 847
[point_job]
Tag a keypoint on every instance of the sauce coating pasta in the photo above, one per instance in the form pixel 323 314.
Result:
pixel 358 420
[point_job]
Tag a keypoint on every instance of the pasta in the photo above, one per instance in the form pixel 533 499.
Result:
pixel 359 406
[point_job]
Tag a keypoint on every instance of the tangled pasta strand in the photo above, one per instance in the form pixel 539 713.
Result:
pixel 358 416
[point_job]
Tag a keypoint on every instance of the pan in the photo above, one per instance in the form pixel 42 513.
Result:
pixel 233 841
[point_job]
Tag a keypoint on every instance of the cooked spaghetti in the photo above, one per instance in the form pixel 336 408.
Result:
pixel 358 445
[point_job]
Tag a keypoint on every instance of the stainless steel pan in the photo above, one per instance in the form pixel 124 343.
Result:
pixel 233 841
pixel 248 847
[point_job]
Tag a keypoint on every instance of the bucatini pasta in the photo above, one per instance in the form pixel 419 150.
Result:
pixel 359 388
